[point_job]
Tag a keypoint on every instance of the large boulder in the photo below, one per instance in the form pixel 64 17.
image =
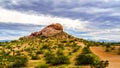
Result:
pixel 48 31
pixel 52 30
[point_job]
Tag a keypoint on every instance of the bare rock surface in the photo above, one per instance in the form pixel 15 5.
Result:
pixel 48 31
pixel 52 30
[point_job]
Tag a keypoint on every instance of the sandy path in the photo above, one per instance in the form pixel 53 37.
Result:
pixel 114 60
pixel 81 44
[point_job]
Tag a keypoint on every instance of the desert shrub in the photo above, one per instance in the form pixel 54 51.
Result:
pixel 63 41
pixel 56 59
pixel 86 59
pixel 40 52
pixel 108 45
pixel 35 57
pixel 49 57
pixel 59 52
pixel 3 62
pixel 61 59
pixel 1 43
pixel 44 47
pixel 28 49
pixel 86 50
pixel 19 61
pixel 107 50
pixel 88 44
pixel 42 66
pixel 100 64
pixel 112 48
pixel 60 46
pixel 71 41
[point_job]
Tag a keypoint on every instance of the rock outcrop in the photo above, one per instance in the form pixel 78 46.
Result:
pixel 48 31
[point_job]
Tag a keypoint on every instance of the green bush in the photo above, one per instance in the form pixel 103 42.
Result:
pixel 63 41
pixel 59 52
pixel 20 61
pixel 40 52
pixel 86 59
pixel 100 64
pixel 49 57
pixel 44 47
pixel 3 61
pixel 61 59
pixel 86 50
pixel 56 60
pixel 35 57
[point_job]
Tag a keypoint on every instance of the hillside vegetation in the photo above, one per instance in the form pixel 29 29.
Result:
pixel 61 51
pixel 58 50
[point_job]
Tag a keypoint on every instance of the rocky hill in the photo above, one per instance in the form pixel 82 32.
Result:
pixel 50 47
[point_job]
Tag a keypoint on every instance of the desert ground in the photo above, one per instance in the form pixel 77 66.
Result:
pixel 114 59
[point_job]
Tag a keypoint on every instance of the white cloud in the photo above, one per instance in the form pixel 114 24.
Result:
pixel 115 14
pixel 106 37
pixel 15 2
pixel 91 10
pixel 10 16
pixel 107 34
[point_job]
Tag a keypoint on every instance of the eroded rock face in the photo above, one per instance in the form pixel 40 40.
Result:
pixel 52 30
pixel 48 31
pixel 56 26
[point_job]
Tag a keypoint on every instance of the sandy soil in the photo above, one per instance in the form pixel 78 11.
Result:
pixel 114 60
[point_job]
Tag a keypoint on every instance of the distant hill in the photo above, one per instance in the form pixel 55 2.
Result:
pixel 5 40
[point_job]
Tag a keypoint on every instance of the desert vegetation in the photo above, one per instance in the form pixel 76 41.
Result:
pixel 59 51
pixel 56 50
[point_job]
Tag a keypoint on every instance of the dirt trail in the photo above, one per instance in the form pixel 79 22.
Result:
pixel 114 60
pixel 81 44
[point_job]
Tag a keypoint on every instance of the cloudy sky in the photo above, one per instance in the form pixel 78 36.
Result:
pixel 89 19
